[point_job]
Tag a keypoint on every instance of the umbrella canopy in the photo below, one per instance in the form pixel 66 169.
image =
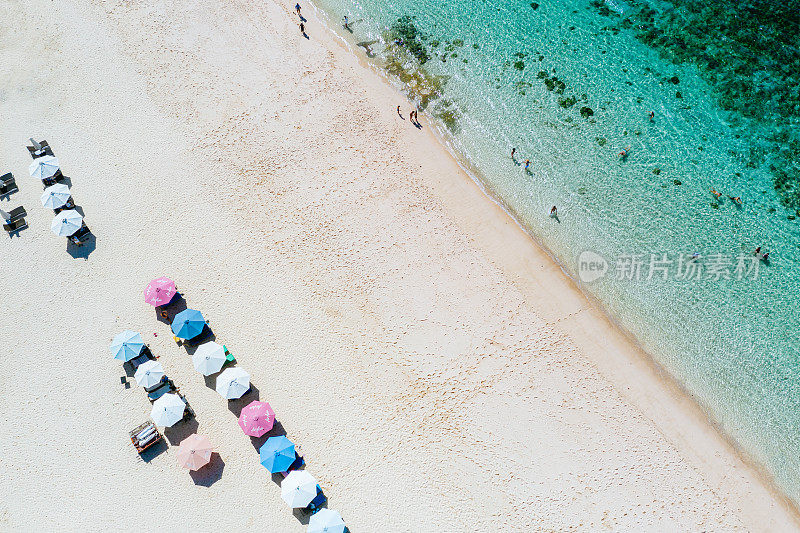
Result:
pixel 195 451
pixel 66 223
pixel 188 324
pixel 209 358
pixel 159 291
pixel 44 167
pixel 55 196
pixel 298 488
pixel 277 454
pixel 326 521
pixel 256 419
pixel 167 410
pixel 149 374
pixel 126 345
pixel 233 383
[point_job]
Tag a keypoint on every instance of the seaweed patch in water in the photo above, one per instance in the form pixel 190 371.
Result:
pixel 404 33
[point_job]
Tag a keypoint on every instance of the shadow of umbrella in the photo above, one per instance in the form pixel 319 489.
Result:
pixel 210 473
pixel 175 434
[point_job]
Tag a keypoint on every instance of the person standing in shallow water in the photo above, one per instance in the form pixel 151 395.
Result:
pixel 527 164
pixel 513 153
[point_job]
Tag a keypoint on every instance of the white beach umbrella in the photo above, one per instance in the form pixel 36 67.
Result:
pixel 233 383
pixel 55 196
pixel 66 223
pixel 298 488
pixel 44 167
pixel 168 410
pixel 209 358
pixel 149 374
pixel 326 521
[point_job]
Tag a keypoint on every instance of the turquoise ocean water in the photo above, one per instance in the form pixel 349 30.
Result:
pixel 570 84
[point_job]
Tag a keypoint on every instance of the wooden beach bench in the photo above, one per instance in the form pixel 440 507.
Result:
pixel 145 436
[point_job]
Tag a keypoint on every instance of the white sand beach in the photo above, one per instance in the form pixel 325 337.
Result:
pixel 438 370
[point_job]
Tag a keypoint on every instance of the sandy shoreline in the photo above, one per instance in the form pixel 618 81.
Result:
pixel 398 321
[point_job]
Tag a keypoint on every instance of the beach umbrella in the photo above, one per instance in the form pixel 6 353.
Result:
pixel 66 223
pixel 5 216
pixel 277 454
pixel 44 167
pixel 159 291
pixel 126 345
pixel 56 196
pixel 256 419
pixel 149 374
pixel 326 521
pixel 188 324
pixel 298 488
pixel 194 452
pixel 233 383
pixel 209 358
pixel 168 410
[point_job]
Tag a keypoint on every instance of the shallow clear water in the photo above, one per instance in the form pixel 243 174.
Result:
pixel 507 74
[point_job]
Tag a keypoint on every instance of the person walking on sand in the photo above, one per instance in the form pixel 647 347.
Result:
pixel 346 23
pixel 302 28
pixel 297 8
pixel 399 113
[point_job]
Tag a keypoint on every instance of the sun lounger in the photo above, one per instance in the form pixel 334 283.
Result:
pixel 6 178
pixel 8 187
pixel 53 179
pixel 39 149
pixel 164 379
pixel 161 390
pixel 15 225
pixel 145 436
pixel 298 463
pixel 79 237
pixel 69 205
pixel 17 212
pixel 189 412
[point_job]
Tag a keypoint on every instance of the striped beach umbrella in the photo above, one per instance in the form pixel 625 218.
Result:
pixel 256 419
pixel 66 223
pixel 194 452
pixel 55 196
pixel 233 383
pixel 44 167
pixel 277 454
pixel 209 358
pixel 126 345
pixel 298 488
pixel 188 324
pixel 326 521
pixel 160 291
pixel 168 410
pixel 149 374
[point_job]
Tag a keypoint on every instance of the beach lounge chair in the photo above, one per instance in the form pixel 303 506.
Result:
pixel 53 179
pixel 189 412
pixel 5 178
pixel 39 149
pixel 15 225
pixel 145 436
pixel 161 390
pixel 80 236
pixel 298 463
pixel 69 205
pixel 17 212
pixel 8 187
pixel 164 379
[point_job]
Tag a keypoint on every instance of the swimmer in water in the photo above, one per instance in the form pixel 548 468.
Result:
pixel 735 199
pixel 715 193
pixel 652 115
pixel 758 250
pixel 624 153
pixel 765 257
pixel 695 256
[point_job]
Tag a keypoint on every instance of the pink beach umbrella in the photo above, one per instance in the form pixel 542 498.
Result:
pixel 159 291
pixel 194 452
pixel 257 418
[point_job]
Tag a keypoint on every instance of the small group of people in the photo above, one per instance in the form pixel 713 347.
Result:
pixel 413 117
pixel 302 20
pixel 735 199
pixel 527 163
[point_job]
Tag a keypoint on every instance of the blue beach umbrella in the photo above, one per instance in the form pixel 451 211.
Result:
pixel 126 345
pixel 277 454
pixel 188 324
